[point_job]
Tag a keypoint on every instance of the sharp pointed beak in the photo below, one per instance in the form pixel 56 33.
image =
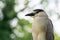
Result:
pixel 30 14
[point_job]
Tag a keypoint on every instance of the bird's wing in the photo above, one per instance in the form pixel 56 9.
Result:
pixel 50 32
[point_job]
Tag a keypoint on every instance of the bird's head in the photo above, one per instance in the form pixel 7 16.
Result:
pixel 37 12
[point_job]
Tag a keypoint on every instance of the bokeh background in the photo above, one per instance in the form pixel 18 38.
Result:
pixel 14 25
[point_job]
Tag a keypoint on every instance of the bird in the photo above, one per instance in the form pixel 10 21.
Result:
pixel 42 27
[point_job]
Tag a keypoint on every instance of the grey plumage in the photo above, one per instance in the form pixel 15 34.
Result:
pixel 50 32
pixel 42 27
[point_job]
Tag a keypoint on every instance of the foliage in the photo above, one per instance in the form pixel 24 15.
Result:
pixel 8 14
pixel 5 27
pixel 56 37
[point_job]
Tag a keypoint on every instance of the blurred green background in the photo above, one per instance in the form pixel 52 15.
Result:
pixel 11 26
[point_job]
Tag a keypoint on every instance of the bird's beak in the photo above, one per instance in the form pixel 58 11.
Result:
pixel 30 14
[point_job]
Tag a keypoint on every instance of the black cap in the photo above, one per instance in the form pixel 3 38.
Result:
pixel 35 12
pixel 38 10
